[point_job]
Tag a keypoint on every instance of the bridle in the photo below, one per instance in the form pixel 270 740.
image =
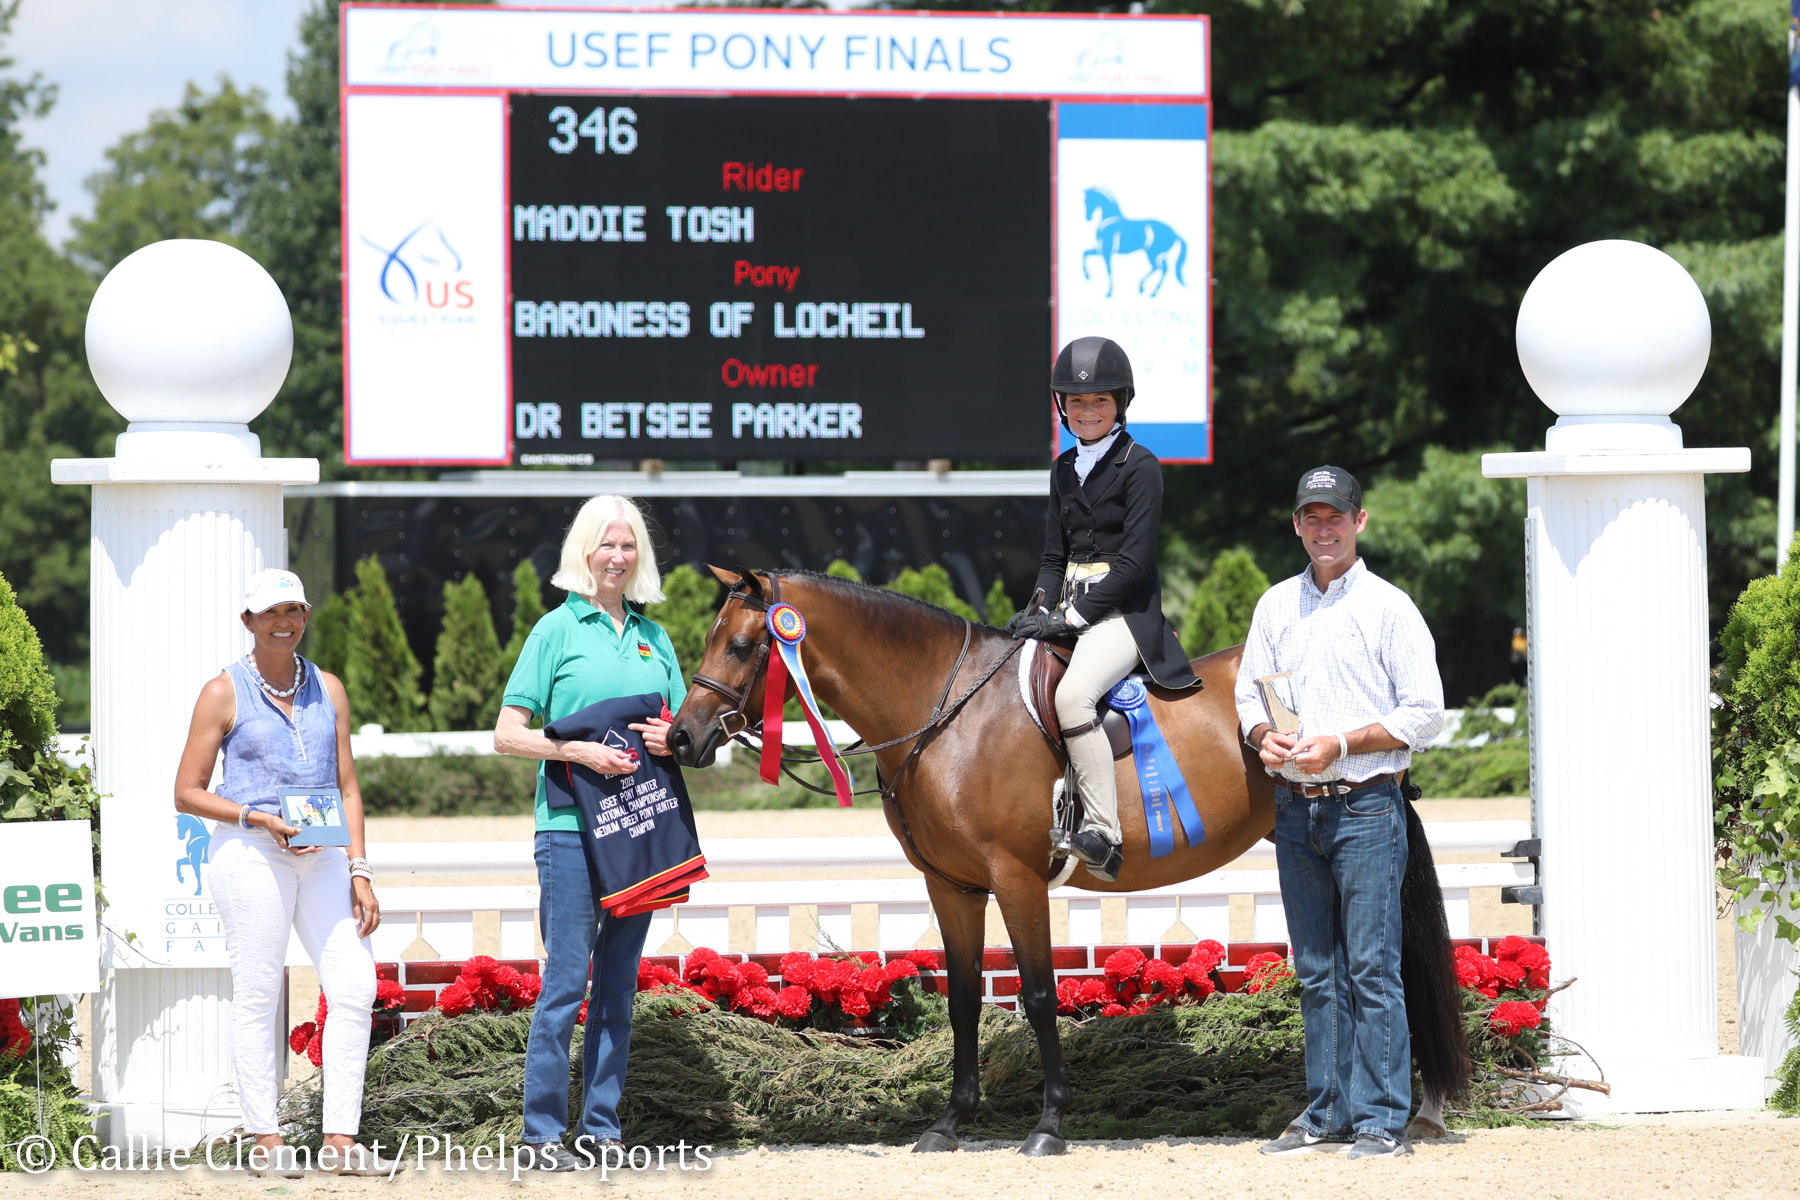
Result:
pixel 736 720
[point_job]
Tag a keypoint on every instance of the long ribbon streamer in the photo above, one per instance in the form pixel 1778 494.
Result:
pixel 1159 776
pixel 789 628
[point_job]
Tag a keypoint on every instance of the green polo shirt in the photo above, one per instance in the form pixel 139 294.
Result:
pixel 574 658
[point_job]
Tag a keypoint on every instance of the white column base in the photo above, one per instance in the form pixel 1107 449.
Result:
pixel 1724 1081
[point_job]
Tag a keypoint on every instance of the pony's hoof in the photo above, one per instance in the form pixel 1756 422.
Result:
pixel 933 1142
pixel 1042 1144
pixel 1425 1127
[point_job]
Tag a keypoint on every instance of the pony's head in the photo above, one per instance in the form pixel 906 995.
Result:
pixel 727 695
pixel 1099 200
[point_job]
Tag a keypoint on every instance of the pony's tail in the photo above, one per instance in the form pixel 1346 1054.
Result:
pixel 1180 259
pixel 1428 972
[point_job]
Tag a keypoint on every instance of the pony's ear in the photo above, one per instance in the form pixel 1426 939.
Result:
pixel 728 578
pixel 753 585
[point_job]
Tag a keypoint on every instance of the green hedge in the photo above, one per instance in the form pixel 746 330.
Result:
pixel 1499 767
pixel 479 785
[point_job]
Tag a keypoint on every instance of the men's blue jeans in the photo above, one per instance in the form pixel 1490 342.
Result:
pixel 1341 859
pixel 577 933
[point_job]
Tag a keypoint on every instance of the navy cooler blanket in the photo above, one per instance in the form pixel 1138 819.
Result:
pixel 641 837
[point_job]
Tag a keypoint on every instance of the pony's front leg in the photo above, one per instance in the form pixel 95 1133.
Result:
pixel 962 919
pixel 1025 906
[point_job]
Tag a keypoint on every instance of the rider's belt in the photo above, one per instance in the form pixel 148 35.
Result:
pixel 1336 787
pixel 1078 577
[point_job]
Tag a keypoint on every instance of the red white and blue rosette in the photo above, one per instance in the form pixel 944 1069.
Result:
pixel 789 629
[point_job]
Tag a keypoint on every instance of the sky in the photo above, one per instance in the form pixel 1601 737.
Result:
pixel 117 61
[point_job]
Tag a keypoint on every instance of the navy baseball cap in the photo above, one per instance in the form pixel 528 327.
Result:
pixel 1329 485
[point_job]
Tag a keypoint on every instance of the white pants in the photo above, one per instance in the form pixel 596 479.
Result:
pixel 263 891
pixel 1104 654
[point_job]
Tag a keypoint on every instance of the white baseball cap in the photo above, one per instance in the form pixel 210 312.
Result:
pixel 268 588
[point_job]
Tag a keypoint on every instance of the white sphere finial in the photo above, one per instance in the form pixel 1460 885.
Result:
pixel 1613 336
pixel 189 340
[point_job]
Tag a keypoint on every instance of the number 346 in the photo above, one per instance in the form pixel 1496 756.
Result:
pixel 617 129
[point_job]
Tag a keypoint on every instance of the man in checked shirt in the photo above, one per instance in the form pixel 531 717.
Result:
pixel 1366 682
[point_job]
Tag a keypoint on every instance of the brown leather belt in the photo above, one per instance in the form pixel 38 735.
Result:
pixel 1336 787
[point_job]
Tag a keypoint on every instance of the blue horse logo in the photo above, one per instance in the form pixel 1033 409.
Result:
pixel 1119 234
pixel 199 846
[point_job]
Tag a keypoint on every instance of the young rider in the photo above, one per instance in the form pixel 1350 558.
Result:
pixel 1099 573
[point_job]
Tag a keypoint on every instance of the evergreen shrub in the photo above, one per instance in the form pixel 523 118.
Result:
pixel 687 613
pixel 528 610
pixel 466 678
pixel 1756 751
pixel 328 635
pixel 933 586
pixel 1218 613
pixel 998 606
pixel 381 674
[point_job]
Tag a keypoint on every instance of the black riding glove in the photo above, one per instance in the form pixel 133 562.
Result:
pixel 1041 625
pixel 1019 619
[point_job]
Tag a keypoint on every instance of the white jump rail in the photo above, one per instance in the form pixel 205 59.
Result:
pixel 445 917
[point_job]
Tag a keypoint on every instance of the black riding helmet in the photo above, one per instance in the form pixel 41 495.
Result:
pixel 1092 364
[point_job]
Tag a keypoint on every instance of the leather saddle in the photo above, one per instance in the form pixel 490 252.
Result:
pixel 1048 666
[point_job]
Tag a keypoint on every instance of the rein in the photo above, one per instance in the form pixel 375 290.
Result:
pixel 941 715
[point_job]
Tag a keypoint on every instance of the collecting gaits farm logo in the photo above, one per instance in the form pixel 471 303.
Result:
pixel 1116 234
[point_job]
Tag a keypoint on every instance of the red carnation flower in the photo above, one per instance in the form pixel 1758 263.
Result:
pixel 1166 976
pixel 854 1002
pixel 1125 964
pixel 1205 958
pixel 302 1034
pixel 1140 1008
pixel 315 1050
pixel 1514 1017
pixel 320 1012
pixel 389 994
pixel 925 960
pixel 793 1002
pixel 901 968
pixel 1066 990
pixel 753 974
pixel 1509 973
pixel 479 985
pixel 723 974
pixel 1510 946
pixel 581 1014
pixel 868 958
pixel 1467 973
pixel 696 963
pixel 1265 970
pixel 1094 991
pixel 1533 956
pixel 1114 1010
pixel 526 991
pixel 1538 977
pixel 456 999
pixel 758 1000
pixel 1197 971
pixel 797 967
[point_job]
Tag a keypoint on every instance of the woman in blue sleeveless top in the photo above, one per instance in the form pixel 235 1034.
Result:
pixel 282 722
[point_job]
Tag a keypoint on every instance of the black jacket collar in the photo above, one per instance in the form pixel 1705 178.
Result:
pixel 1103 478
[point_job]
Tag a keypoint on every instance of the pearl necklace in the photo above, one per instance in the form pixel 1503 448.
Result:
pixel 250 660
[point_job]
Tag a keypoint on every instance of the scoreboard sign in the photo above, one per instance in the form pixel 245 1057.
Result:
pixel 575 236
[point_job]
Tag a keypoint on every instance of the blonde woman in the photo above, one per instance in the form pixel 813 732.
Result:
pixel 596 646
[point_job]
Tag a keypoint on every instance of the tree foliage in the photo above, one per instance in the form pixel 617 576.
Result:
pixel 27 694
pixel 997 609
pixel 465 678
pixel 187 174
pixel 1219 611
pixel 380 673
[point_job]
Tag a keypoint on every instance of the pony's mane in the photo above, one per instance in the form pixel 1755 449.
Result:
pixel 876 596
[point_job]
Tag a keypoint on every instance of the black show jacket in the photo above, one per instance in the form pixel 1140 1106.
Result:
pixel 1113 518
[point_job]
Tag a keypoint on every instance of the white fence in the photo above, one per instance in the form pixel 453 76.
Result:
pixel 445 916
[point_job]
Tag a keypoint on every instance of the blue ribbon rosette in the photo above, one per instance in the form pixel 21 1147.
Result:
pixel 1165 792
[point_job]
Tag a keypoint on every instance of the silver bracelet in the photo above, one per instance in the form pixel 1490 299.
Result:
pixel 359 862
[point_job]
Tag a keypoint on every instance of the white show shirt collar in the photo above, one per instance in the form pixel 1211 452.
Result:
pixel 1087 456
pixel 1339 584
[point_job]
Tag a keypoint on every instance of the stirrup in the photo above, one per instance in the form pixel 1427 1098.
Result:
pixel 1102 858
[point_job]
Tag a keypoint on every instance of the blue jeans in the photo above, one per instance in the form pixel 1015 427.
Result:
pixel 1341 859
pixel 579 939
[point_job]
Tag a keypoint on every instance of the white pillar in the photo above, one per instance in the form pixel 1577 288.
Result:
pixel 1613 336
pixel 189 340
